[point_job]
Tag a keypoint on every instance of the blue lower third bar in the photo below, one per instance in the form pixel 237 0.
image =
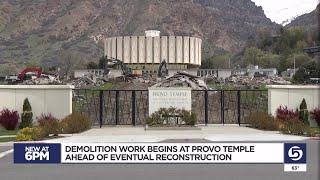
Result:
pixel 37 153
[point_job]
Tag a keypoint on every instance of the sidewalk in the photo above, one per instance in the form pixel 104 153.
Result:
pixel 211 132
pixel 6 136
pixel 214 133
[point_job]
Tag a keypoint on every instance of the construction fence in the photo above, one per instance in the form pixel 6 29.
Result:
pixel 130 107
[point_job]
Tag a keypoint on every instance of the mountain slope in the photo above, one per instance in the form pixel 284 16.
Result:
pixel 309 21
pixel 41 31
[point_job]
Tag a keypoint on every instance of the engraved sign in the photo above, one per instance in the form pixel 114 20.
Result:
pixel 179 98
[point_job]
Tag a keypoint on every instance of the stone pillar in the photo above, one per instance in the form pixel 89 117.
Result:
pixel 126 49
pixel 196 50
pixel 141 48
pixel 113 48
pixel 134 50
pixel 149 48
pixel 192 51
pixel 199 61
pixel 186 50
pixel 179 49
pixel 164 49
pixel 105 47
pixel 172 49
pixel 119 48
pixel 156 50
pixel 109 47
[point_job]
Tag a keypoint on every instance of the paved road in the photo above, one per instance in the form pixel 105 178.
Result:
pixel 9 171
pixel 5 148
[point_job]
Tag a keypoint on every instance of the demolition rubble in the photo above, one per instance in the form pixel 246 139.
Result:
pixel 87 81
pixel 247 82
pixel 179 79
pixel 183 79
pixel 43 80
pixel 141 82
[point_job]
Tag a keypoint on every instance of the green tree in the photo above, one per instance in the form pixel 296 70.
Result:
pixel 8 69
pixel 295 35
pixel 300 45
pixel 92 65
pixel 303 112
pixel 70 61
pixel 217 62
pixel 290 41
pixel 299 58
pixel 270 60
pixel 252 56
pixel 307 71
pixel 102 62
pixel 26 116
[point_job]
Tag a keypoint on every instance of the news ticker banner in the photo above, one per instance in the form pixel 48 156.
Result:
pixel 292 155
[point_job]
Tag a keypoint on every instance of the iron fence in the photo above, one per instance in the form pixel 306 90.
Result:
pixel 130 107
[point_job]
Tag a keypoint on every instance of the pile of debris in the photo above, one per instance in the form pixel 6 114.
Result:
pixel 88 81
pixel 44 79
pixel 246 82
pixel 183 79
pixel 252 81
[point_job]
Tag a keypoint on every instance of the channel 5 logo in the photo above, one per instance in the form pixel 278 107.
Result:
pixel 37 153
pixel 295 153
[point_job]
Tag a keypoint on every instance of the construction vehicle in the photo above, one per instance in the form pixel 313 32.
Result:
pixel 25 74
pixel 136 72
pixel 116 62
pixel 163 70
pixel 127 72
pixel 30 73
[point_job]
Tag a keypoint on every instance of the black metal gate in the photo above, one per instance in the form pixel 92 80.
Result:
pixel 130 107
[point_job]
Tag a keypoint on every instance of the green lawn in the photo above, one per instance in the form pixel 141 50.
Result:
pixel 315 130
pixel 7 139
pixel 107 86
pixel 4 132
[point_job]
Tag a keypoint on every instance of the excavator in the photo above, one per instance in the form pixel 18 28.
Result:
pixel 126 72
pixel 116 62
pixel 163 70
pixel 23 75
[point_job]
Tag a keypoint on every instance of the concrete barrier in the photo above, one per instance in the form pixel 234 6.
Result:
pixel 291 96
pixel 54 99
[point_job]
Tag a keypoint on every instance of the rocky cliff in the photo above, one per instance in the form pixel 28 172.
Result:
pixel 40 31
pixel 309 21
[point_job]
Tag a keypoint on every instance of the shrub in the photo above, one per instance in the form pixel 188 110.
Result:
pixel 157 117
pixel 30 134
pixel 26 117
pixel 75 123
pixel 315 114
pixel 49 124
pixel 190 118
pixel 9 119
pixel 283 113
pixel 294 126
pixel 303 112
pixel 262 120
pixel 163 115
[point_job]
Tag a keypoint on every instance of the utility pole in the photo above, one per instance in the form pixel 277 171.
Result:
pixel 294 64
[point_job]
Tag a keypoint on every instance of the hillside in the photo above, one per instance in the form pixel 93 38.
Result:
pixel 307 21
pixel 43 31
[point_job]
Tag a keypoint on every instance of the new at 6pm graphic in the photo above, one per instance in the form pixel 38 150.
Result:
pixel 37 153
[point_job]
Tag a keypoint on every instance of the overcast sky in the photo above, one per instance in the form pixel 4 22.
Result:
pixel 282 10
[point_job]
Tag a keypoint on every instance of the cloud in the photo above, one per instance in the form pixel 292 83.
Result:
pixel 283 10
